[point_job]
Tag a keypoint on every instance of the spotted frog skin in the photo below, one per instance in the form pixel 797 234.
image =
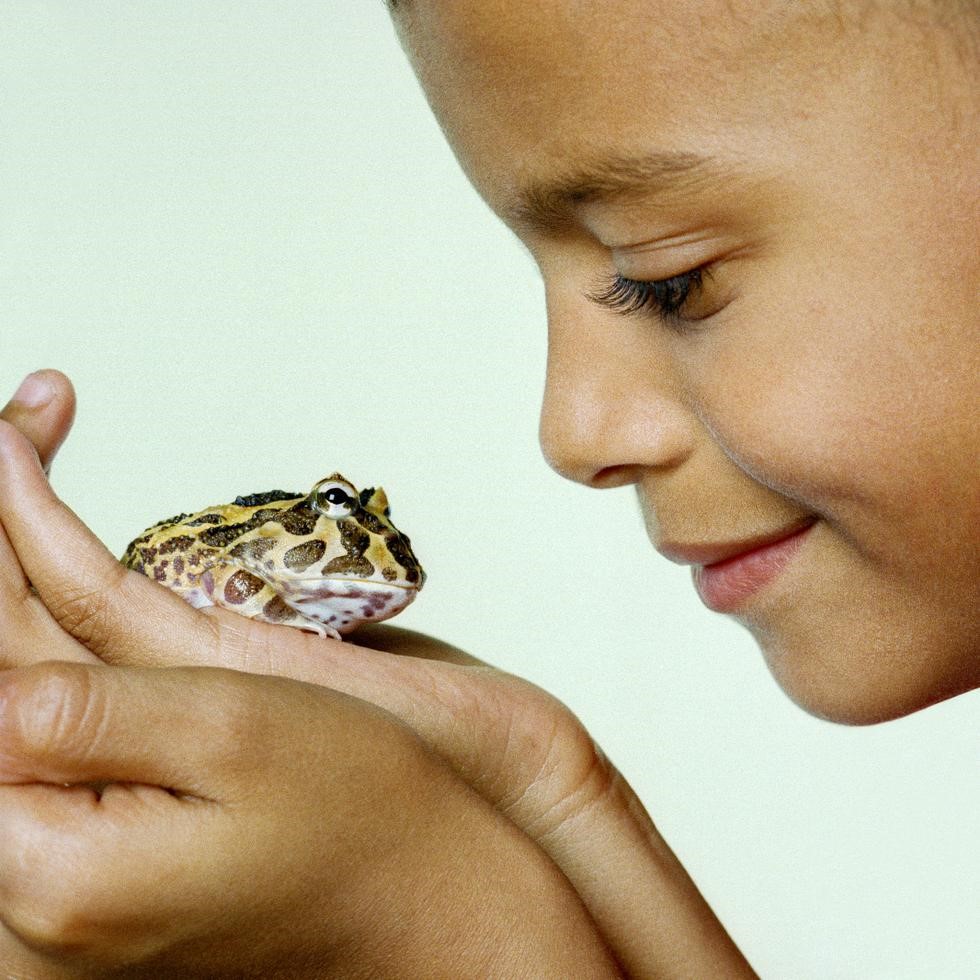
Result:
pixel 326 562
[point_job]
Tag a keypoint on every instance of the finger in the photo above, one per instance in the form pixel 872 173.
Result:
pixel 161 746
pixel 457 704
pixel 75 860
pixel 43 408
pixel 407 643
pixel 64 724
pixel 198 732
pixel 518 746
pixel 119 615
pixel 28 634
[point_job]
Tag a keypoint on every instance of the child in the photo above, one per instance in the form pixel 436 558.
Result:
pixel 756 228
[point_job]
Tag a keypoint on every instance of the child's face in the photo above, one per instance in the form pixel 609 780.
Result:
pixel 816 392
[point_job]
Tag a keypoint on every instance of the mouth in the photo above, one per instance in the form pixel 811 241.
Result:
pixel 355 585
pixel 727 574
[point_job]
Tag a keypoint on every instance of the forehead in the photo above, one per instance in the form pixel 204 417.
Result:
pixel 524 87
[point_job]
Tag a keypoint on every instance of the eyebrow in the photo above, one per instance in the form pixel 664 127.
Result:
pixel 549 202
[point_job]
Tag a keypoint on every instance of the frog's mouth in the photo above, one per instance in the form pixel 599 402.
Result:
pixel 323 583
pixel 345 603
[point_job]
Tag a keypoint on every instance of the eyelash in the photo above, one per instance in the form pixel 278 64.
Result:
pixel 663 297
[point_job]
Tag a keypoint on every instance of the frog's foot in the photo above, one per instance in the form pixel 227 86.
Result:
pixel 197 597
pixel 308 626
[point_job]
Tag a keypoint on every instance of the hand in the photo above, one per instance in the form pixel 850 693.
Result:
pixel 87 608
pixel 523 751
pixel 254 826
pixel 500 733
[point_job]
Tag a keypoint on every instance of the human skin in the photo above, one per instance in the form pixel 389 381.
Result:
pixel 716 422
pixel 213 849
pixel 354 825
pixel 474 797
pixel 824 374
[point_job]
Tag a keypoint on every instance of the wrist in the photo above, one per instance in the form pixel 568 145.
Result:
pixel 637 892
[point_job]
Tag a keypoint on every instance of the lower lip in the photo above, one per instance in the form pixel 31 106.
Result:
pixel 727 585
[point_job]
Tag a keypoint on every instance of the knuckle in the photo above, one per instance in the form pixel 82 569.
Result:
pixel 238 646
pixel 38 907
pixel 576 780
pixel 528 753
pixel 47 923
pixel 84 610
pixel 53 708
pixel 564 772
pixel 71 893
pixel 58 922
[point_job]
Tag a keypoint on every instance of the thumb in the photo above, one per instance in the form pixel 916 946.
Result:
pixel 43 408
pixel 64 723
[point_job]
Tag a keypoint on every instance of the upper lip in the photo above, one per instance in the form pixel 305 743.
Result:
pixel 712 553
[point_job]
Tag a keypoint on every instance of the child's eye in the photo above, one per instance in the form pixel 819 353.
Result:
pixel 670 299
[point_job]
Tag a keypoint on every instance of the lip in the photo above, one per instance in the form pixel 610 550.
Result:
pixel 727 575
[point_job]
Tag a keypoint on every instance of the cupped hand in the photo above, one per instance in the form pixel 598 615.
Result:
pixel 253 826
pixel 521 750
pixel 64 596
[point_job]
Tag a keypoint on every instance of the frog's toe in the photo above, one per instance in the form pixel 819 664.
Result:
pixel 328 632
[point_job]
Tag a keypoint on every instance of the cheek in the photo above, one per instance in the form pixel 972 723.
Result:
pixel 789 415
pixel 882 619
pixel 857 420
pixel 803 389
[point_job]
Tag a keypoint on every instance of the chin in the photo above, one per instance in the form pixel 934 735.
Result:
pixel 864 683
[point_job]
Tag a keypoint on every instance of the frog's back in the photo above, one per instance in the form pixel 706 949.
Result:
pixel 185 543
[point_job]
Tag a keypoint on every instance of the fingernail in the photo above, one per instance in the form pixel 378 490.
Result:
pixel 34 391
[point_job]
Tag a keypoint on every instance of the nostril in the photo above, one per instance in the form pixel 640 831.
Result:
pixel 614 476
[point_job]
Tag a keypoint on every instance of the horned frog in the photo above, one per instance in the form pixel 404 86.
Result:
pixel 326 562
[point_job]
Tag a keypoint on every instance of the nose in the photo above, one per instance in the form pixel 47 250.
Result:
pixel 612 409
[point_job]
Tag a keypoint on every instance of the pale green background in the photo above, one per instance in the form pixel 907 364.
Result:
pixel 236 226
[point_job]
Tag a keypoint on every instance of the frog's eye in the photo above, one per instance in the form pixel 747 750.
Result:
pixel 335 498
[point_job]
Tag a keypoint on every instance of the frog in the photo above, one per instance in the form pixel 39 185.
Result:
pixel 325 562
